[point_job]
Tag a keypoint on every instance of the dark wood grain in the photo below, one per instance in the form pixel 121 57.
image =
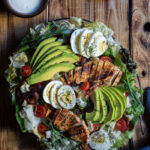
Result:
pixel 113 13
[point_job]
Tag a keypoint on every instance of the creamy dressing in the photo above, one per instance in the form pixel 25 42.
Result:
pixel 25 6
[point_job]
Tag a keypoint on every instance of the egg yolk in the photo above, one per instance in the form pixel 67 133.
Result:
pixel 102 46
pixel 78 40
pixel 86 38
pixel 66 98
pixel 99 139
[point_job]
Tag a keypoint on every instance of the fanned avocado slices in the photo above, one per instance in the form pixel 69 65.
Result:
pixel 103 106
pixel 47 53
pixel 64 57
pixel 121 97
pixel 112 109
pixel 96 114
pixel 45 49
pixel 48 73
pixel 119 103
pixel 50 56
pixel 41 45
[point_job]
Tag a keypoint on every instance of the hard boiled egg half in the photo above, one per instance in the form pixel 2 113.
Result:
pixel 47 90
pixel 59 95
pixel 88 43
pixel 66 97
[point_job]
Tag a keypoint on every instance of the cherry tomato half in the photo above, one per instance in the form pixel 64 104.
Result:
pixel 42 128
pixel 106 58
pixel 127 94
pixel 85 86
pixel 39 111
pixel 96 127
pixel 26 71
pixel 121 125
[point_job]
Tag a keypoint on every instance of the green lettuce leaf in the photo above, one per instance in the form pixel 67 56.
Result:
pixel 20 121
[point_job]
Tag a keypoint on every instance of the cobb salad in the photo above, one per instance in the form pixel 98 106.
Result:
pixel 73 86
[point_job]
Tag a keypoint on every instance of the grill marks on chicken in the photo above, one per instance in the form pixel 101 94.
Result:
pixel 97 72
pixel 86 71
pixel 67 121
pixel 80 133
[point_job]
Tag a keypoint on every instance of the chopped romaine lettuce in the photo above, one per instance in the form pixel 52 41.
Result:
pixel 99 26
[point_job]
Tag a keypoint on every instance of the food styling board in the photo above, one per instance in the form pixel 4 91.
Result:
pixel 130 23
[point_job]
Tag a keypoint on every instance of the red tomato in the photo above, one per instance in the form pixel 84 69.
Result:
pixel 42 128
pixel 25 71
pixel 127 94
pixel 96 127
pixel 85 86
pixel 39 111
pixel 85 147
pixel 121 125
pixel 106 58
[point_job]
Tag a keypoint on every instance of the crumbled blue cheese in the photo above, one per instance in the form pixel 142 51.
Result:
pixel 30 121
pixel 25 103
pixel 25 87
pixel 19 59
pixel 128 101
pixel 48 134
pixel 90 126
pixel 82 103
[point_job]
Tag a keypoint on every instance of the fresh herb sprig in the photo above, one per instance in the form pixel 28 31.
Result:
pixel 32 41
pixel 136 108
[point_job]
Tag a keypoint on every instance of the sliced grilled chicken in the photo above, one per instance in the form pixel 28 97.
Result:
pixel 107 67
pixel 117 79
pixel 77 75
pixel 86 71
pixel 80 133
pixel 99 70
pixel 70 77
pixel 111 77
pixel 93 70
pixel 63 80
pixel 70 121
pixel 59 116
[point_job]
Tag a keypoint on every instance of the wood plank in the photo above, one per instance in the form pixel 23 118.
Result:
pixel 141 39
pixel 57 9
pixel 3 97
pixel 140 51
pixel 114 13
pixel 17 28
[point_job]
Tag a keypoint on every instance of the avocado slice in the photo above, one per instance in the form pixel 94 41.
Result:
pixel 112 109
pixel 119 103
pixel 95 115
pixel 43 43
pixel 47 53
pixel 50 56
pixel 48 73
pixel 45 49
pixel 103 106
pixel 121 96
pixel 64 57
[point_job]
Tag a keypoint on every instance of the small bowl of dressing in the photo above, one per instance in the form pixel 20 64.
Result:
pixel 26 8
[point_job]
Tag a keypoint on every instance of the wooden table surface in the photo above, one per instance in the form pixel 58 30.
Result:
pixel 128 18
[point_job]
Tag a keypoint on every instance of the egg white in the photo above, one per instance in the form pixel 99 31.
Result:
pixel 47 90
pixel 53 96
pixel 106 145
pixel 61 91
pixel 88 46
pixel 74 40
pixel 84 38
pixel 99 46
